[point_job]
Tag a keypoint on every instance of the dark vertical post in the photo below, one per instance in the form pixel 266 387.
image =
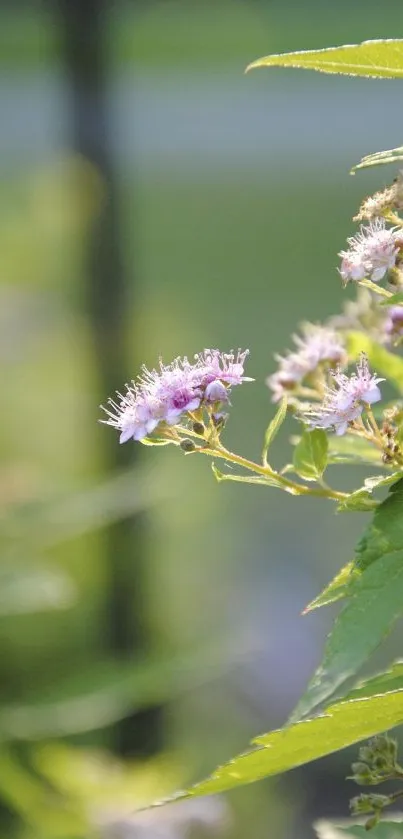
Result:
pixel 83 24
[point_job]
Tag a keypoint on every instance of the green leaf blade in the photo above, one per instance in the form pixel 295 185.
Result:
pixel 343 724
pixel 273 428
pixel 338 588
pixel 375 604
pixel 379 158
pixel 380 59
pixel 385 682
pixel 310 454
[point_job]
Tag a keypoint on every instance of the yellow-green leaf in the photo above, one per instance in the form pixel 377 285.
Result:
pixel 343 724
pixel 338 588
pixel 310 454
pixel 382 59
pixel 273 428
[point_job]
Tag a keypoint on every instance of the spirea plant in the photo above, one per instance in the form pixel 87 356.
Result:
pixel 336 382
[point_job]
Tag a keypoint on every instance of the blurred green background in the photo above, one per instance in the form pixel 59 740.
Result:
pixel 155 201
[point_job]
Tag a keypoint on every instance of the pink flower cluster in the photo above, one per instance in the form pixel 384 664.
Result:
pixel 372 252
pixel 174 390
pixel 345 403
pixel 318 345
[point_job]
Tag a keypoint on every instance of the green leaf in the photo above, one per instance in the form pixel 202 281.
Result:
pixel 376 602
pixel 361 498
pixel 343 724
pixel 385 682
pixel 395 300
pixel 310 455
pixel 358 501
pixel 381 360
pixel 385 532
pixel 391 829
pixel 382 59
pixel 370 547
pixel 245 479
pixel 273 428
pixel 339 587
pixel 379 158
pixel 354 450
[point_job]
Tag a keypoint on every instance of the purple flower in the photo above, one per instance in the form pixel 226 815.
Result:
pixel 345 403
pixel 372 252
pixel 318 345
pixel 393 325
pixel 173 391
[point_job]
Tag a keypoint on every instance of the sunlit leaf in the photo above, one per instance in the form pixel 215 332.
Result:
pixel 385 682
pixel 354 450
pixel 273 428
pixel 358 501
pixel 310 455
pixel 379 158
pixel 381 59
pixel 396 299
pixel 339 587
pixel 343 724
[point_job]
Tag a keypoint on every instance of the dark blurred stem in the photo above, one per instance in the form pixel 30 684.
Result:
pixel 83 26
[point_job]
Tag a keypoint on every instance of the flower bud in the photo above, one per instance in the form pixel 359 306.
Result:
pixel 187 445
pixel 368 803
pixel 363 775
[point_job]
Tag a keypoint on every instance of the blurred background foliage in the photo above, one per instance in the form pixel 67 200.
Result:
pixel 155 201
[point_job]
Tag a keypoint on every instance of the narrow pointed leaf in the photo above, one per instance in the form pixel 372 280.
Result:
pixel 381 59
pixel 379 158
pixel 273 428
pixel 343 724
pixel 245 479
pixel 385 682
pixel 339 587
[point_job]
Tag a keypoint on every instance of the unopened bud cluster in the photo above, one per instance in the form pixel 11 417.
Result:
pixel 377 763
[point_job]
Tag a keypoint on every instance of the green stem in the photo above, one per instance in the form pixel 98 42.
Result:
pixel 266 471
pixel 376 288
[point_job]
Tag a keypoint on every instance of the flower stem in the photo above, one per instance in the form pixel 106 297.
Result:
pixel 376 288
pixel 266 471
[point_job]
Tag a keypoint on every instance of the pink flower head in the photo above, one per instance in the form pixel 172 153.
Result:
pixel 318 345
pixel 345 403
pixel 174 391
pixel 372 252
pixel 223 367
